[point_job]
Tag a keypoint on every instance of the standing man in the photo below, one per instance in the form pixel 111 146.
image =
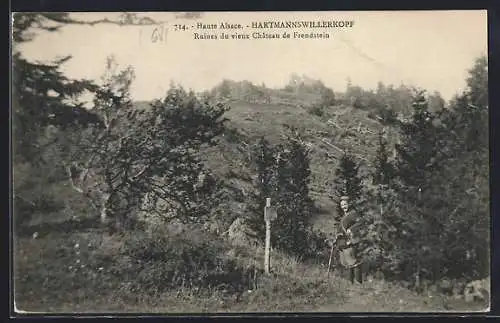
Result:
pixel 350 237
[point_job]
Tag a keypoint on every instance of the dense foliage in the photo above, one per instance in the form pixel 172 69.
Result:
pixel 121 159
pixel 435 210
pixel 283 174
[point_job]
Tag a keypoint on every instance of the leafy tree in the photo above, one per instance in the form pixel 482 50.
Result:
pixel 105 151
pixel 24 23
pixel 44 104
pixel 327 99
pixel 172 175
pixel 99 160
pixel 137 158
pixel 384 114
pixel 223 90
pixel 466 126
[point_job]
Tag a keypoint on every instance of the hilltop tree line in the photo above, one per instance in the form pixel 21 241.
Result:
pixel 244 90
pixel 426 211
pixel 387 103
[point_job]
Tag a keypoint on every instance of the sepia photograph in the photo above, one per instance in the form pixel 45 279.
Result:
pixel 250 162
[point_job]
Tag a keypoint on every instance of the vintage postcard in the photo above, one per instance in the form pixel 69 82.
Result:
pixel 250 162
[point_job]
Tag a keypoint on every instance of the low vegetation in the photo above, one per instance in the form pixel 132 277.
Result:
pixel 92 271
pixel 157 206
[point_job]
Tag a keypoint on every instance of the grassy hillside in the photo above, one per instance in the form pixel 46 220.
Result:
pixel 344 127
pixel 338 128
pixel 92 271
pixel 74 266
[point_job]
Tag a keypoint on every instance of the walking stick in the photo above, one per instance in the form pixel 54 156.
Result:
pixel 330 259
pixel 330 262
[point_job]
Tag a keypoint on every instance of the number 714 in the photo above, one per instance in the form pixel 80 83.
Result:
pixel 179 27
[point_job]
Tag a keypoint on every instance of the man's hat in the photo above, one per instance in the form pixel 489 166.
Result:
pixel 344 198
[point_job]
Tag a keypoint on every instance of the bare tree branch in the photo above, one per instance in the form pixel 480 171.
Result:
pixel 126 19
pixel 332 145
pixel 70 179
pixel 24 199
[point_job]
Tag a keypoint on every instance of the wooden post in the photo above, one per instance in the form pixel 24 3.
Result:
pixel 270 214
pixel 268 236
pixel 419 246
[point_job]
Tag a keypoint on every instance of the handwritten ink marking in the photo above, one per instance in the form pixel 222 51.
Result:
pixel 159 34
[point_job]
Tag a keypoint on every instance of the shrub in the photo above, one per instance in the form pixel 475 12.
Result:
pixel 317 109
pixel 195 260
pixel 317 246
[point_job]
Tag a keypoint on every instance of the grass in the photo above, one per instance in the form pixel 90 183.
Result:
pixel 85 272
pixel 83 269
pixel 338 125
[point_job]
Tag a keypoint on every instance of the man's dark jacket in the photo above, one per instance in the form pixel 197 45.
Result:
pixel 351 229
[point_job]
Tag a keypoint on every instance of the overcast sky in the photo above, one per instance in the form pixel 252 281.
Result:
pixel 432 50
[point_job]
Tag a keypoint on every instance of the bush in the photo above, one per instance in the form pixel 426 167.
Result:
pixel 317 245
pixel 317 110
pixel 197 261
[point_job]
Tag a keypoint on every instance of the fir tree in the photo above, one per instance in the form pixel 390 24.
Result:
pixel 42 95
pixel 417 153
pixel 418 167
pixel 42 101
pixel 295 205
pixel 383 170
pixel 477 82
pixel 348 182
pixel 382 176
pixel 463 182
pixel 381 225
pixel 265 167
pixel 283 174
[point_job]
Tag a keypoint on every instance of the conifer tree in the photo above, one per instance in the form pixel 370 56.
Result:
pixel 382 174
pixel 383 170
pixel 477 82
pixel 417 153
pixel 283 174
pixel 348 182
pixel 42 95
pixel 295 205
pixel 42 100
pixel 265 167
pixel 464 181
pixel 418 164
pixel 384 213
